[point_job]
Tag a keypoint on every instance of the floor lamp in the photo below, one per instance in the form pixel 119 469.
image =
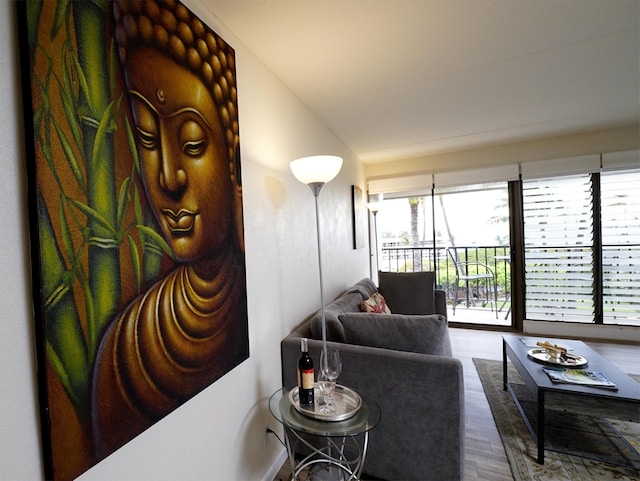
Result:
pixel 315 171
pixel 374 205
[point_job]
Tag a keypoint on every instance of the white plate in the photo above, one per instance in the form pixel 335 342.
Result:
pixel 572 360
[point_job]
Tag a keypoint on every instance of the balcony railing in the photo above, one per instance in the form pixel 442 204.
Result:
pixel 428 258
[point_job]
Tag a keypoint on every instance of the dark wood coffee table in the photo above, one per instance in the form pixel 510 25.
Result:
pixel 514 348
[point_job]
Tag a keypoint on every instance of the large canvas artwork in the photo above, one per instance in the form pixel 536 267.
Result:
pixel 135 200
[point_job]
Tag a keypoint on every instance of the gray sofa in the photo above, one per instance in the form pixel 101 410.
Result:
pixel 404 361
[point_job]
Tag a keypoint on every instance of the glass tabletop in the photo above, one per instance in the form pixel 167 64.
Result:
pixel 365 419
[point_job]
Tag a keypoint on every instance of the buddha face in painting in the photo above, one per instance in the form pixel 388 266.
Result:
pixel 183 155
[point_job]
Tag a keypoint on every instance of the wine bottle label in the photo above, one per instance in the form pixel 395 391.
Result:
pixel 307 379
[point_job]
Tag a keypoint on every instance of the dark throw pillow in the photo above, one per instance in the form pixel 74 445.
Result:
pixel 408 292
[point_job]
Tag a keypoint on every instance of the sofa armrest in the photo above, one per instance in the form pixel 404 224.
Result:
pixel 440 302
pixel 421 433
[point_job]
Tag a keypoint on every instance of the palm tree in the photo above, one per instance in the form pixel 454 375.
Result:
pixel 414 202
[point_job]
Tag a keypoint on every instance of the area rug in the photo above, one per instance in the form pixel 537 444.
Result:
pixel 587 435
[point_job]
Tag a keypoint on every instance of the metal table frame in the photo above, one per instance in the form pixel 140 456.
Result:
pixel 338 444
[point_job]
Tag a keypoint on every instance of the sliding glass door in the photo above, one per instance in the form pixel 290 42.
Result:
pixel 463 235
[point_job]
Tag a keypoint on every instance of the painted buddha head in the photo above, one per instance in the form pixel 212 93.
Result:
pixel 180 79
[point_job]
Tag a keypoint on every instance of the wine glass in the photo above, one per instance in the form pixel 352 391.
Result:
pixel 330 368
pixel 326 387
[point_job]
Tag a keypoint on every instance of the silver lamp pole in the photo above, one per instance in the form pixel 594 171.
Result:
pixel 316 171
pixel 374 205
pixel 315 188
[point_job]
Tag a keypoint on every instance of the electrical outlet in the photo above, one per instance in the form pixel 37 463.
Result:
pixel 267 434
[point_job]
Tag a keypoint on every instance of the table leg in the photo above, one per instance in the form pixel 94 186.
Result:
pixel 333 467
pixel 540 426
pixel 504 366
pixel 504 303
pixel 536 434
pixel 290 453
pixel 358 470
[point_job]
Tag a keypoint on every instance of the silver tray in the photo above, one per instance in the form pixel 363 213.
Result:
pixel 347 403
pixel 541 355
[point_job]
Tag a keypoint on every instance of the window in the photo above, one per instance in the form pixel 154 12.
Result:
pixel 574 224
pixel 558 238
pixel 621 247
pixel 582 244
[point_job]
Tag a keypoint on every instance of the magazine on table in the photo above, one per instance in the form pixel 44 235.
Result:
pixel 581 377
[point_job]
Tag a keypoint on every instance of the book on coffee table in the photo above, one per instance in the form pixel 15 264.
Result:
pixel 581 377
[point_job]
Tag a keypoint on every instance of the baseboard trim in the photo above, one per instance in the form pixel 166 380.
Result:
pixel 275 466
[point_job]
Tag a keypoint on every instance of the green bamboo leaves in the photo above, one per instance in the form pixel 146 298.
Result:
pixel 65 343
pixel 91 216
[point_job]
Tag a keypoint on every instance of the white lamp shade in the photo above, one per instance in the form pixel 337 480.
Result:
pixel 373 207
pixel 375 202
pixel 316 169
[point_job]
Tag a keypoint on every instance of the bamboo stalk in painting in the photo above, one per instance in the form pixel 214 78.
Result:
pixel 97 122
pixel 84 268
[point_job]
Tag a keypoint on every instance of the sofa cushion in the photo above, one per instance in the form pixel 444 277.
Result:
pixel 408 292
pixel 348 302
pixel 375 304
pixel 413 333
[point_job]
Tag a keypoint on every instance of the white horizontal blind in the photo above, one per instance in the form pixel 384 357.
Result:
pixel 474 179
pixel 558 234
pixel 419 185
pixel 620 214
pixel 559 167
pixel 406 186
pixel 623 160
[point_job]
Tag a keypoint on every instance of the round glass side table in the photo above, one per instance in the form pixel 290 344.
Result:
pixel 331 449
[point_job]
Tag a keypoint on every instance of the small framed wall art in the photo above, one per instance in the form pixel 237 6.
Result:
pixel 359 217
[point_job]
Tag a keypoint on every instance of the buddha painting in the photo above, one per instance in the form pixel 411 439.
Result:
pixel 189 328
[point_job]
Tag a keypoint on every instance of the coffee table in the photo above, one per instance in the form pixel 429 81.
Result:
pixel 514 348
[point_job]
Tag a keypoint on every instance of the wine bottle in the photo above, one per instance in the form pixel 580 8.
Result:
pixel 305 375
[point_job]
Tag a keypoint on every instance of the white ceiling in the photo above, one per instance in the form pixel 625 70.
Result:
pixel 397 79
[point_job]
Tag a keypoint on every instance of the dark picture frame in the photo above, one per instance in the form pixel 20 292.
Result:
pixel 117 235
pixel 358 217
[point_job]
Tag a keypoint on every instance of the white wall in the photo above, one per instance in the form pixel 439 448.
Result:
pixel 19 426
pixel 219 434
